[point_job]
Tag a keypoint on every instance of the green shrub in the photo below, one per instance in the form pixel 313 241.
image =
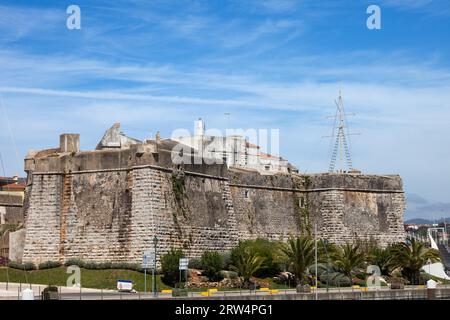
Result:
pixel 246 262
pixel 195 263
pixel 105 265
pixel 267 250
pixel 361 283
pixel 74 262
pixel 102 265
pixel 22 266
pixel 91 265
pixel 212 263
pixel 49 265
pixel 335 279
pixel 169 267
pixel 226 258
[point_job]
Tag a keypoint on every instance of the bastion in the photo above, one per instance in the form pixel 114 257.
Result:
pixel 108 204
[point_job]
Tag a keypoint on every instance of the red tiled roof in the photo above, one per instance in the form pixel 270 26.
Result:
pixel 14 186
pixel 266 155
pixel 251 145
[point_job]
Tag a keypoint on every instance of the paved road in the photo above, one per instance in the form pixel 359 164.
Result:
pixel 70 293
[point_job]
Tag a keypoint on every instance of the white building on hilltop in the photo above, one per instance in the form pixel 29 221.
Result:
pixel 235 151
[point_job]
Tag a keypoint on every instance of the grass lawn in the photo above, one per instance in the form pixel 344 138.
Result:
pixel 99 279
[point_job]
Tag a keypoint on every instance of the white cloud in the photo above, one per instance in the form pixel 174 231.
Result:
pixel 19 22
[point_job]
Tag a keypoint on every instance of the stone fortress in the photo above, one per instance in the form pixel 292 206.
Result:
pixel 108 204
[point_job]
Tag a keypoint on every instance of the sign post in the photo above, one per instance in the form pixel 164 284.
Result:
pixel 155 242
pixel 183 265
pixel 148 260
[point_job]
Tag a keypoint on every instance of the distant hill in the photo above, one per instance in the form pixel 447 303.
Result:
pixel 425 221
pixel 418 221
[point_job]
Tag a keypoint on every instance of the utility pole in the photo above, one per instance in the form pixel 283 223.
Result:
pixel 155 241
pixel 145 280
pixel 315 246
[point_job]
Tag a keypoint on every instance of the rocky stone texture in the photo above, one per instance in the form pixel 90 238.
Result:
pixel 114 214
pixel 16 245
pixel 348 215
pixel 42 238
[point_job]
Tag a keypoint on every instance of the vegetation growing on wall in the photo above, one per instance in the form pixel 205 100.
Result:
pixel 307 182
pixel 178 187
pixel 303 214
pixel 179 191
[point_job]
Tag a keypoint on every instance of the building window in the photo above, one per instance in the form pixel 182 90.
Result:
pixel 267 168
pixel 246 194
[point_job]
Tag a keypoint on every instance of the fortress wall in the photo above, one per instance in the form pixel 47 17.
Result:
pixel 193 213
pixel 42 234
pixel 96 215
pixel 345 216
pixel 266 213
pixel 113 215
pixel 346 207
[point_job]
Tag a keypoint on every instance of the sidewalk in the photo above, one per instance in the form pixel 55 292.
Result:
pixel 12 291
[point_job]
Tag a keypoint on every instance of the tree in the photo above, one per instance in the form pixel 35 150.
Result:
pixel 212 263
pixel 300 255
pixel 269 251
pixel 246 262
pixel 170 267
pixel 348 258
pixel 381 257
pixel 411 257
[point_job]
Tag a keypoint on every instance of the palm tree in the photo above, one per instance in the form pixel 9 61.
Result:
pixel 381 257
pixel 411 257
pixel 246 262
pixel 348 258
pixel 300 254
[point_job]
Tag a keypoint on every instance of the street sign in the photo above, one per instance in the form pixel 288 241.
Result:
pixel 184 262
pixel 148 260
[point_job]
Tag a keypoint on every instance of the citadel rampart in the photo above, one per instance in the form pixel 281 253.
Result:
pixel 107 205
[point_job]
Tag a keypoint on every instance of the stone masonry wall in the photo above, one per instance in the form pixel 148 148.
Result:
pixel 345 216
pixel 42 235
pixel 113 215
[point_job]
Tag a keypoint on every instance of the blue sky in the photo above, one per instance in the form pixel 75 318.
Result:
pixel 160 64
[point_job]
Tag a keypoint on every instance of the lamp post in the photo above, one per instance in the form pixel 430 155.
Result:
pixel 315 246
pixel 325 242
pixel 155 242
